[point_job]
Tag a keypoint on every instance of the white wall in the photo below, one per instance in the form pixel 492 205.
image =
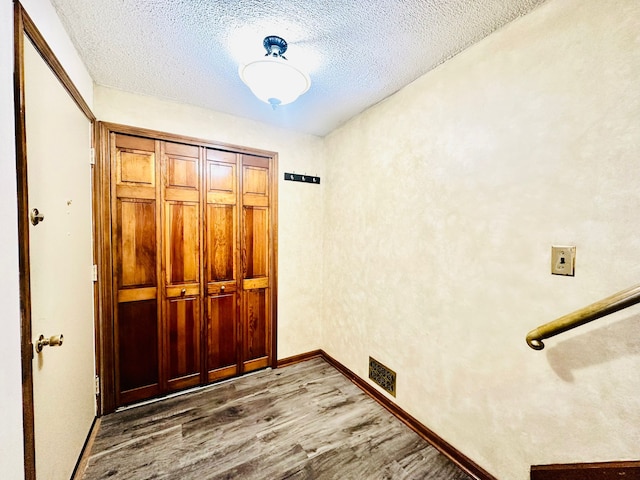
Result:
pixel 441 206
pixel 11 452
pixel 299 205
pixel 41 11
pixel 46 20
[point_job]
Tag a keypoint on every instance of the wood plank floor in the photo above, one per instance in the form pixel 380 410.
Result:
pixel 304 421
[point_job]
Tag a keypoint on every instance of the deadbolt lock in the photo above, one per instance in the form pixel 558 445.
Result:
pixel 54 341
pixel 36 217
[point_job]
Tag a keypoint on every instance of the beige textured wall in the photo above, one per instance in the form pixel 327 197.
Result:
pixel 299 205
pixel 441 206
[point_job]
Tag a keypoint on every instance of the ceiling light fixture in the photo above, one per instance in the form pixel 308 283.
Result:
pixel 272 78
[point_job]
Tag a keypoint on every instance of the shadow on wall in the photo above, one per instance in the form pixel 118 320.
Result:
pixel 617 340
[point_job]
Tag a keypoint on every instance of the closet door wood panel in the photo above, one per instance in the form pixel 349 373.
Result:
pixel 256 331
pixel 135 241
pixel 255 262
pixel 181 264
pixel 183 342
pixel 138 347
pixel 222 355
pixel 222 264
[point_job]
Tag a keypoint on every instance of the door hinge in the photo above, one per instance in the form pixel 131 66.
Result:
pixel 97 385
pixel 94 273
pixel 92 159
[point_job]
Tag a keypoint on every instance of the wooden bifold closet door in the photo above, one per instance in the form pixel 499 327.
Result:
pixel 192 253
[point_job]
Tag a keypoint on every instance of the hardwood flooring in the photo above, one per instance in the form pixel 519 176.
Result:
pixel 304 421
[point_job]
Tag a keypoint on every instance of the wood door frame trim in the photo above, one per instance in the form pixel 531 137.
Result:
pixel 105 344
pixel 102 196
pixel 470 467
pixel 177 138
pixel 586 471
pixel 273 251
pixel 23 25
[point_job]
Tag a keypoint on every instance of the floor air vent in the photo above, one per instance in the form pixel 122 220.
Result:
pixel 383 376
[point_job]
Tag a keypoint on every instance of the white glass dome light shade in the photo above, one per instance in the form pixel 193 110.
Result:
pixel 274 80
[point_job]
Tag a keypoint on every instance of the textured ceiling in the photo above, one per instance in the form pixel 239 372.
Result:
pixel 356 52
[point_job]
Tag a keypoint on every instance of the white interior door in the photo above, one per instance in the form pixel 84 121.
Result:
pixel 60 247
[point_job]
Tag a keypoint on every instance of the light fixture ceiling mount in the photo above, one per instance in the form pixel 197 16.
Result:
pixel 275 46
pixel 272 78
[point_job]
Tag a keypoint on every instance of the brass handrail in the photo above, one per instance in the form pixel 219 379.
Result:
pixel 606 306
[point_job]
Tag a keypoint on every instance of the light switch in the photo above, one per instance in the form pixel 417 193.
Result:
pixel 563 260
